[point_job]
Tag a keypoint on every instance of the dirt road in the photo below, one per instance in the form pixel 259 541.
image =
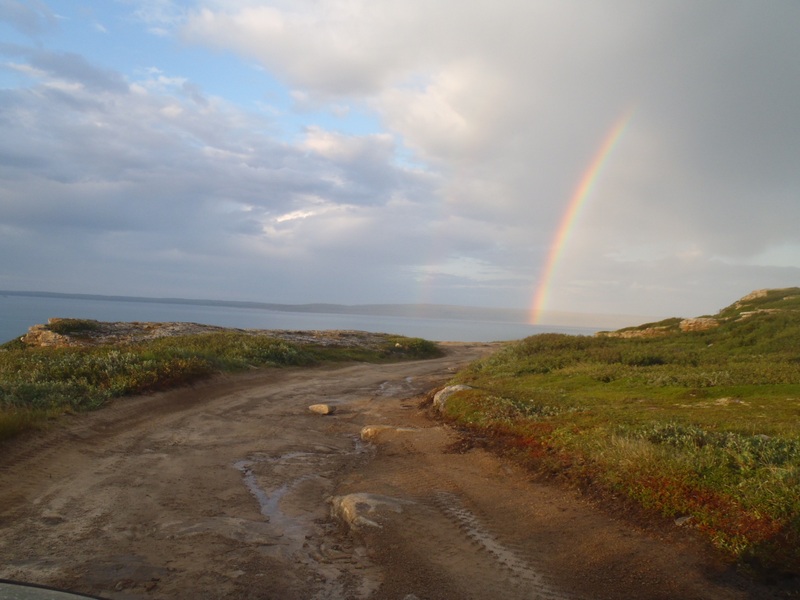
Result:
pixel 227 490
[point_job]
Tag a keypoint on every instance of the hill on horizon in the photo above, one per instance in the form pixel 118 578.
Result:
pixel 427 311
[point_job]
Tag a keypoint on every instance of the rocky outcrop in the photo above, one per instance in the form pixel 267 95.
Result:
pixel 60 332
pixel 699 324
pixel 754 295
pixel 646 332
pixel 746 314
pixel 41 336
pixel 86 332
pixel 441 397
pixel 752 298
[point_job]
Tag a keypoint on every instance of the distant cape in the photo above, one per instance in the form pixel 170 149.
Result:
pixel 424 311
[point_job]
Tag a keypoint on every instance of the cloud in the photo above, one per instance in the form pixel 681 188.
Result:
pixel 156 175
pixel 160 17
pixel 511 101
pixel 489 117
pixel 31 17
pixel 319 46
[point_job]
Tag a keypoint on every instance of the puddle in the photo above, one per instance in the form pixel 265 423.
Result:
pixel 252 485
pixel 395 388
pixel 273 479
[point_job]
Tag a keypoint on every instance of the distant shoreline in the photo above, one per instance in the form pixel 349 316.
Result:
pixel 431 311
pixel 436 311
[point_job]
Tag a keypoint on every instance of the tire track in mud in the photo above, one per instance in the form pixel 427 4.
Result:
pixel 526 575
pixel 512 569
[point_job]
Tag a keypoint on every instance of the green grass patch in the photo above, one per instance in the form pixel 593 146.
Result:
pixel 703 424
pixel 391 349
pixel 39 384
pixel 74 327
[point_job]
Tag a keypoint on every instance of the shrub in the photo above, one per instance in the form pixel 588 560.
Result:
pixel 40 383
pixel 693 423
pixel 73 326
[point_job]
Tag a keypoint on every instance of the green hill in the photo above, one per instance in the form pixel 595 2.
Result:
pixel 693 419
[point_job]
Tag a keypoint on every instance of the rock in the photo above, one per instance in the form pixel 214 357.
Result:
pixel 647 332
pixel 699 324
pixel 40 336
pixel 351 508
pixel 373 433
pixel 322 409
pixel 370 432
pixel 754 295
pixel 440 399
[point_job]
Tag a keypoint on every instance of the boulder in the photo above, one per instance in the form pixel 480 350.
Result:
pixel 322 409
pixel 370 432
pixel 40 337
pixel 440 399
pixel 352 508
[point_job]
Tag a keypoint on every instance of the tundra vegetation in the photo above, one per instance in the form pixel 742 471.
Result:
pixel 698 420
pixel 38 384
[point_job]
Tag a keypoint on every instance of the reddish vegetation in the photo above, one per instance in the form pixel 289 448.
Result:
pixel 719 517
pixel 721 514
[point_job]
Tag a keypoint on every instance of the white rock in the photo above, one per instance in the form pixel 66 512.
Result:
pixel 370 432
pixel 440 399
pixel 352 508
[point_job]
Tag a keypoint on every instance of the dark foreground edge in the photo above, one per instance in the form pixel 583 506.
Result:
pixel 17 590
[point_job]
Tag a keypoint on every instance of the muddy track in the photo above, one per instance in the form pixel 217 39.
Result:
pixel 234 489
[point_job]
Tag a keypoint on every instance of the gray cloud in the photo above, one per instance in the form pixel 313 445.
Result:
pixel 31 17
pixel 73 67
pixel 143 187
pixel 501 108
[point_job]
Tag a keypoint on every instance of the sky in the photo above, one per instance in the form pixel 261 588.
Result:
pixel 614 156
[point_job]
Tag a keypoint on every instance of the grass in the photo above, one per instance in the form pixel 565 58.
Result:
pixel 40 384
pixel 76 327
pixel 701 424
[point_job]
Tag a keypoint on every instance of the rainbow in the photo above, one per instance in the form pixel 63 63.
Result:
pixel 576 202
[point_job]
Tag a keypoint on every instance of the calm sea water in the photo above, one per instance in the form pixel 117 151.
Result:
pixel 18 313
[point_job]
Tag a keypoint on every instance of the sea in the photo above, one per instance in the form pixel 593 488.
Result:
pixel 18 313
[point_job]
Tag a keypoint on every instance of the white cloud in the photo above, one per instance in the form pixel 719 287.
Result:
pixel 491 115
pixel 160 16
pixel 144 178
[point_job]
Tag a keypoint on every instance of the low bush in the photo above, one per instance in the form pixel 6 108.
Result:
pixel 702 424
pixel 72 326
pixel 37 384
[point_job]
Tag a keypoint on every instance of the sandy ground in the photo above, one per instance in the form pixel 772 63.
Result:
pixel 229 489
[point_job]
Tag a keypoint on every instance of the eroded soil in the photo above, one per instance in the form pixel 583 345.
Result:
pixel 226 490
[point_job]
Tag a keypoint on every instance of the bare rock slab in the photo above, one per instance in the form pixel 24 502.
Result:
pixel 441 397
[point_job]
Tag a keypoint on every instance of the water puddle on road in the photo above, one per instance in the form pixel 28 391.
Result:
pixel 393 389
pixel 290 489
